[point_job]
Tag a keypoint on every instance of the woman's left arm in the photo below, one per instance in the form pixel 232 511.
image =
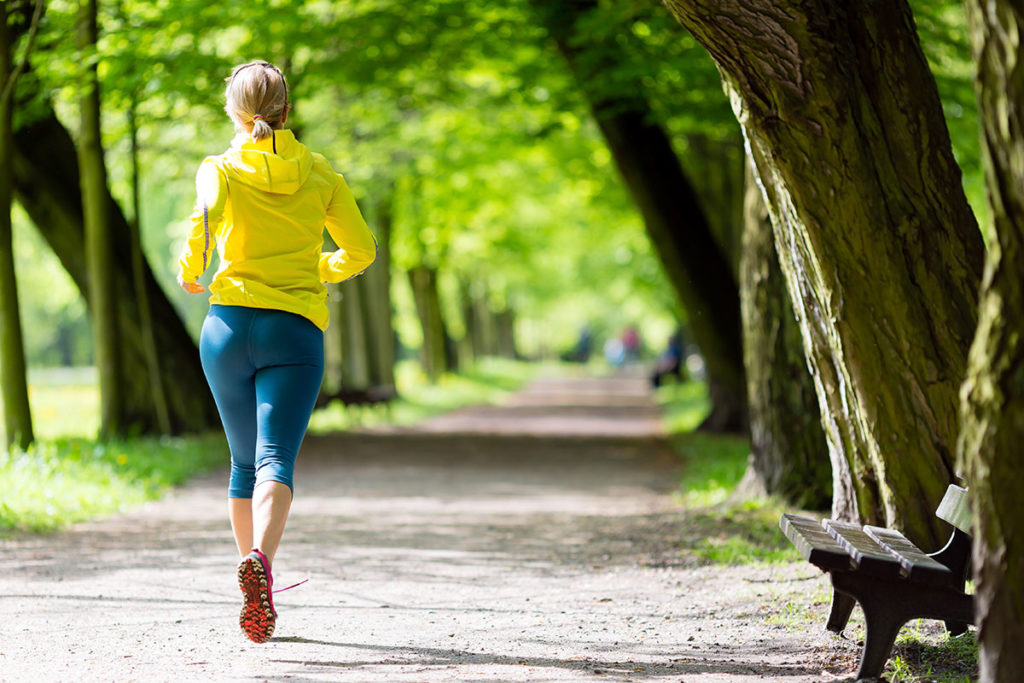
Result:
pixel 357 247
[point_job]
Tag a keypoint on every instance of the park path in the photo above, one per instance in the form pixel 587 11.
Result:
pixel 532 541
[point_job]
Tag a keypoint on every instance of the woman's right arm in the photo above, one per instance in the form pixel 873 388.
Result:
pixel 212 195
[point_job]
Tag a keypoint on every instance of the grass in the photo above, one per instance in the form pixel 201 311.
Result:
pixel 55 483
pixel 723 530
pixel 67 477
pixel 926 653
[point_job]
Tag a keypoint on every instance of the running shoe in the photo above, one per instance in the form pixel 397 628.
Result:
pixel 258 614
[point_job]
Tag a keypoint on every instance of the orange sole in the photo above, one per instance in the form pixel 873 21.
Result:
pixel 257 618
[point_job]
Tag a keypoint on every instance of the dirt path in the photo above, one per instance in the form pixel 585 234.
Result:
pixel 535 541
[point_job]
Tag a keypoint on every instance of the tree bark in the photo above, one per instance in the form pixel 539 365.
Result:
pixel 46 184
pixel 355 363
pixel 139 269
pixel 789 454
pixel 433 353
pixel 881 253
pixel 378 304
pixel 676 225
pixel 505 326
pixel 17 413
pixel 993 392
pixel 98 252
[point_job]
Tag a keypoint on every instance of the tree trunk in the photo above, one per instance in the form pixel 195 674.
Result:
pixel 881 253
pixel 789 454
pixel 139 269
pixel 675 222
pixel 46 184
pixel 98 251
pixel 480 326
pixel 355 365
pixel 505 326
pixel 378 304
pixel 993 393
pixel 717 168
pixel 433 354
pixel 17 413
pixel 334 342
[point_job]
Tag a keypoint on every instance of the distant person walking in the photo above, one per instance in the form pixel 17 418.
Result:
pixel 263 204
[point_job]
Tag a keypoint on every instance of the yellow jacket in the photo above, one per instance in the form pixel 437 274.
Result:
pixel 264 206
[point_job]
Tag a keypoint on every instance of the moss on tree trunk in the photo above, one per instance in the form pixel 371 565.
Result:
pixel 881 253
pixel 789 455
pixel 993 393
pixel 98 249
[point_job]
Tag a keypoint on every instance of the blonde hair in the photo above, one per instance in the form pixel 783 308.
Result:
pixel 257 98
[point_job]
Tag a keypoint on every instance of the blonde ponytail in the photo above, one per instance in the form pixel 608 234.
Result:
pixel 257 98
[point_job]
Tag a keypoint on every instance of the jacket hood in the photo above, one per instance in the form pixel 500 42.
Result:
pixel 257 164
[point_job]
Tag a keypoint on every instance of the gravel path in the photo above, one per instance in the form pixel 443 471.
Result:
pixel 534 541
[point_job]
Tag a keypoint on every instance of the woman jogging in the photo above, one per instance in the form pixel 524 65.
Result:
pixel 263 204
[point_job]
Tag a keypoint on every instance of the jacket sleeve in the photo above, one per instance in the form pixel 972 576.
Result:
pixel 206 219
pixel 357 248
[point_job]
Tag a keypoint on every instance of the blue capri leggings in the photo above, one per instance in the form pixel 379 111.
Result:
pixel 264 368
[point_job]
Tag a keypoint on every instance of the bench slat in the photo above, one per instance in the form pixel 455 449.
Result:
pixel 955 509
pixel 869 557
pixel 814 543
pixel 914 562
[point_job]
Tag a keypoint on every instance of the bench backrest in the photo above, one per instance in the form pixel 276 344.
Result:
pixel 955 509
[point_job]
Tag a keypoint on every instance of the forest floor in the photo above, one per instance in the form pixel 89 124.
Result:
pixel 537 540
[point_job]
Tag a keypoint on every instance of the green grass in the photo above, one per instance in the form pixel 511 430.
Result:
pixel 924 652
pixel 487 382
pixel 55 483
pixel 64 402
pixel 723 530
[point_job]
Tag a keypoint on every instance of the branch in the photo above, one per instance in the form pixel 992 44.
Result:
pixel 33 30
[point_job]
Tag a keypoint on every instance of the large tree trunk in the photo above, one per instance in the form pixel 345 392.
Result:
pixel 17 414
pixel 789 455
pixel 675 222
pixel 993 393
pixel 98 243
pixel 881 253
pixel 46 184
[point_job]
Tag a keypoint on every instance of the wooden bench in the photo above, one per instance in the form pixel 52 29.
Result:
pixel 891 579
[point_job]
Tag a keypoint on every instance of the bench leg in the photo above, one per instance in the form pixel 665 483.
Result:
pixel 957 556
pixel 882 620
pixel 839 614
pixel 888 604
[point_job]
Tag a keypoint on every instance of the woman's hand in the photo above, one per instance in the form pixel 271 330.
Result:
pixel 190 287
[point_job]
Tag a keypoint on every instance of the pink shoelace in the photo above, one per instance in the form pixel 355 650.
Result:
pixel 288 588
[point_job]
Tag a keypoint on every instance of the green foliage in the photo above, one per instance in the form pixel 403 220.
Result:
pixel 460 115
pixel 942 27
pixel 55 483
